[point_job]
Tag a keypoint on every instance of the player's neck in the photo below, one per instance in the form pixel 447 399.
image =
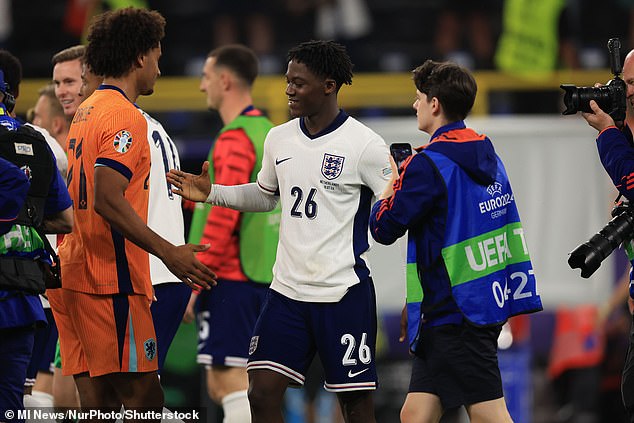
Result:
pixel 61 138
pixel 232 106
pixel 320 121
pixel 126 85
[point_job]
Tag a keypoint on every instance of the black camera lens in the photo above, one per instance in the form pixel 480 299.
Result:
pixel 610 98
pixel 589 255
pixel 578 98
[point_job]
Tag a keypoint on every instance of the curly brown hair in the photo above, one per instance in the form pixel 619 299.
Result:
pixel 117 38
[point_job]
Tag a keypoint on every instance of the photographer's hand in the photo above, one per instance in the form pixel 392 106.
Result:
pixel 598 119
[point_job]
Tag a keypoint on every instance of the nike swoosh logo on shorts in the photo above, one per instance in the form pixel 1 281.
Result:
pixel 351 374
pixel 278 161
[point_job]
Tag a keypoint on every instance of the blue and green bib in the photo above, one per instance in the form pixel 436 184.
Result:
pixel 259 232
pixel 484 252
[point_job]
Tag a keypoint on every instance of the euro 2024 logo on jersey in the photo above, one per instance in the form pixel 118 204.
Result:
pixel 494 188
pixel 332 166
pixel 122 141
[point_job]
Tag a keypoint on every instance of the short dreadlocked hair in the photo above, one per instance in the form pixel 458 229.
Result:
pixel 326 59
pixel 118 37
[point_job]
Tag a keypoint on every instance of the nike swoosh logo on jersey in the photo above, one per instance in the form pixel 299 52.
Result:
pixel 278 161
pixel 351 374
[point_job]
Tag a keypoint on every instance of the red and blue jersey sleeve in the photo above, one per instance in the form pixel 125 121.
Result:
pixel 617 157
pixel 415 194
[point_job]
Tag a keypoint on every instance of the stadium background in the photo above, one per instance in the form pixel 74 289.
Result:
pixel 563 194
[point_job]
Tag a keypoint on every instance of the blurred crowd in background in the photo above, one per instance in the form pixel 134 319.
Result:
pixel 381 35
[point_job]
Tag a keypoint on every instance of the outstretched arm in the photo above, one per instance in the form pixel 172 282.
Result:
pixel 245 197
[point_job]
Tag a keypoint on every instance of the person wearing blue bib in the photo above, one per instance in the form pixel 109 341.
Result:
pixel 468 266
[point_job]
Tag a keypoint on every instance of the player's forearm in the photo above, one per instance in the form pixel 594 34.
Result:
pixel 118 212
pixel 245 198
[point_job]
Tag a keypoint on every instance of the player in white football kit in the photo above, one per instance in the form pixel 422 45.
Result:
pixel 165 217
pixel 326 167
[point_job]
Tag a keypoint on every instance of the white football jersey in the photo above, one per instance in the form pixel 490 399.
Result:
pixel 327 184
pixel 165 215
pixel 58 151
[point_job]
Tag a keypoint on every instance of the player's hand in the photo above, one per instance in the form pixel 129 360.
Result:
pixel 598 119
pixel 403 335
pixel 182 262
pixel 190 311
pixel 191 187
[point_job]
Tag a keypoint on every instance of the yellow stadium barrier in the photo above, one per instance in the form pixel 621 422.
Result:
pixel 376 90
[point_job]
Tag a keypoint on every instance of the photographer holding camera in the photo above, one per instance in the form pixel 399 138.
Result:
pixel 616 151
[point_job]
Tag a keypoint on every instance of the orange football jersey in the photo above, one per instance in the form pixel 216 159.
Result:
pixel 107 130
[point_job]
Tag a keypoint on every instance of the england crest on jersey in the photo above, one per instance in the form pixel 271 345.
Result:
pixel 332 166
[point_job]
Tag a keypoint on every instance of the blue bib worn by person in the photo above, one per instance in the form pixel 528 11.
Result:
pixel 468 265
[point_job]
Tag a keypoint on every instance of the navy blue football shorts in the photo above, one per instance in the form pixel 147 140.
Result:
pixel 15 350
pixel 226 315
pixel 43 349
pixel 167 314
pixel 289 333
pixel 458 363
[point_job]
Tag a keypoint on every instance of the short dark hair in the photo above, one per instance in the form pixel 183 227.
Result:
pixel 326 59
pixel 68 54
pixel 118 37
pixel 12 70
pixel 453 86
pixel 240 59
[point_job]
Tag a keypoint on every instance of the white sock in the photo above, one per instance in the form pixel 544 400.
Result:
pixel 38 399
pixel 236 408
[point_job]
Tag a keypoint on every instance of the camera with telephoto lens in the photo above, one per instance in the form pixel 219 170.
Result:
pixel 589 255
pixel 610 97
